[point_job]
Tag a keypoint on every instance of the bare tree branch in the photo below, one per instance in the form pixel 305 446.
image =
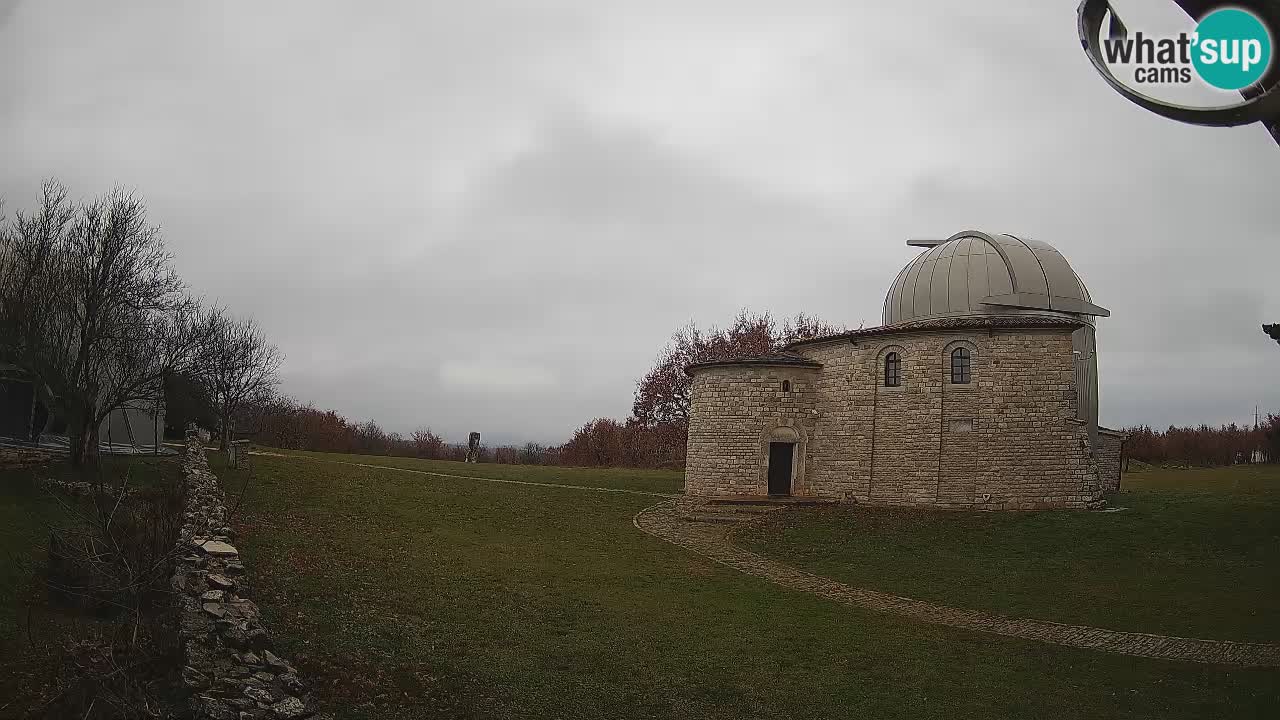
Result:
pixel 92 308
pixel 240 367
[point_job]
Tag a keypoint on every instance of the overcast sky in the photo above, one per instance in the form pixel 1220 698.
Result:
pixel 491 216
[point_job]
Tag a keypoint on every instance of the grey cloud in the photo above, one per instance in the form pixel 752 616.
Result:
pixel 414 197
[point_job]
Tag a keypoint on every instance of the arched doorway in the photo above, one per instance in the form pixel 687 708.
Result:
pixel 782 459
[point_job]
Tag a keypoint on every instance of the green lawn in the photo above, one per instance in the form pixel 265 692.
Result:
pixel 659 481
pixel 1195 553
pixel 409 596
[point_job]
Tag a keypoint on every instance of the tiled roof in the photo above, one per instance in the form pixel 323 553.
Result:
pixel 776 358
pixel 956 323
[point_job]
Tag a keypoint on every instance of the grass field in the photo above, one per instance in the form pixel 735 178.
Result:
pixel 659 481
pixel 1195 553
pixel 405 595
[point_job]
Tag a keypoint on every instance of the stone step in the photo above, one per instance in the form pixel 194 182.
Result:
pixel 705 517
pixel 764 501
pixel 728 509
pixel 741 509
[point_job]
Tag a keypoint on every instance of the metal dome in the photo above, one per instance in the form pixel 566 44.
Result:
pixel 977 273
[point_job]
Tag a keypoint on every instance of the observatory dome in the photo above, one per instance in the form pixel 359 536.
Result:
pixel 975 273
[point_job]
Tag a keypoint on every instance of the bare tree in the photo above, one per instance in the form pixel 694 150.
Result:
pixel 93 308
pixel 241 368
pixel 28 289
pixel 427 444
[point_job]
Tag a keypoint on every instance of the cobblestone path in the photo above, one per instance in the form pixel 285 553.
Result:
pixel 713 541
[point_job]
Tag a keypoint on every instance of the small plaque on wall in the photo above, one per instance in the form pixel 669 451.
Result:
pixel 962 426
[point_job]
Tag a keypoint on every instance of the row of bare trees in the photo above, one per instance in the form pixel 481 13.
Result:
pixel 654 436
pixel 605 442
pixel 656 433
pixel 1206 446
pixel 94 313
pixel 279 421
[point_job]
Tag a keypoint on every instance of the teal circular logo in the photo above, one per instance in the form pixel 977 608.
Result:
pixel 1232 49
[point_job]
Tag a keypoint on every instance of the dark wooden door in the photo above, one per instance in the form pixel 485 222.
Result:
pixel 15 408
pixel 780 455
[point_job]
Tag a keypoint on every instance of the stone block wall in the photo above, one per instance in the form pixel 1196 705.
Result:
pixel 733 412
pixel 230 670
pixel 1110 458
pixel 1007 440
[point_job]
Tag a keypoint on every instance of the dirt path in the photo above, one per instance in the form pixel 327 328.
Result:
pixel 712 540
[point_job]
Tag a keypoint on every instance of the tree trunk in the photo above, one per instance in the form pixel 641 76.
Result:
pixel 224 431
pixel 84 439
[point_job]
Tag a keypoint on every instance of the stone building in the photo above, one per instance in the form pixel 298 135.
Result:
pixel 978 391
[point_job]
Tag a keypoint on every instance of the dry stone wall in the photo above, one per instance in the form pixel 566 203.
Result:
pixel 1007 440
pixel 231 671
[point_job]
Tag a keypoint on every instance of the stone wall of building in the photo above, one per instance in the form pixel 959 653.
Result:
pixel 230 670
pixel 734 411
pixel 1110 458
pixel 1007 440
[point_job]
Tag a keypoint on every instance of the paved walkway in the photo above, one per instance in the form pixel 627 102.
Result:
pixel 713 541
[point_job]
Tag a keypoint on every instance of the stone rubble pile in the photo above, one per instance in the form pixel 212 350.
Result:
pixel 230 671
pixel 80 487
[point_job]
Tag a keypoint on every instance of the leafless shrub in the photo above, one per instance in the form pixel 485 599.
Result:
pixel 117 553
pixel 113 559
pixel 114 671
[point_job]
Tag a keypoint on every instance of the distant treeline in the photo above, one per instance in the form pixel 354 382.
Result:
pixel 284 423
pixel 605 442
pixel 1206 446
pixel 653 437
pixel 656 433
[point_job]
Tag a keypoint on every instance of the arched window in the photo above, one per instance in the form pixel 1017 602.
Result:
pixel 786 386
pixel 892 370
pixel 961 366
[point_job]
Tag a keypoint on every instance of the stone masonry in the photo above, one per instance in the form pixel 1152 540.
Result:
pixel 230 671
pixel 1007 440
pixel 1111 459
pixel 735 410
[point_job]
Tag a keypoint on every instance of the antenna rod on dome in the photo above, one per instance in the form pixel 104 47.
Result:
pixel 924 242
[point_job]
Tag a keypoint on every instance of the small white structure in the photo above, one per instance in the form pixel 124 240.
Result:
pixel 136 428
